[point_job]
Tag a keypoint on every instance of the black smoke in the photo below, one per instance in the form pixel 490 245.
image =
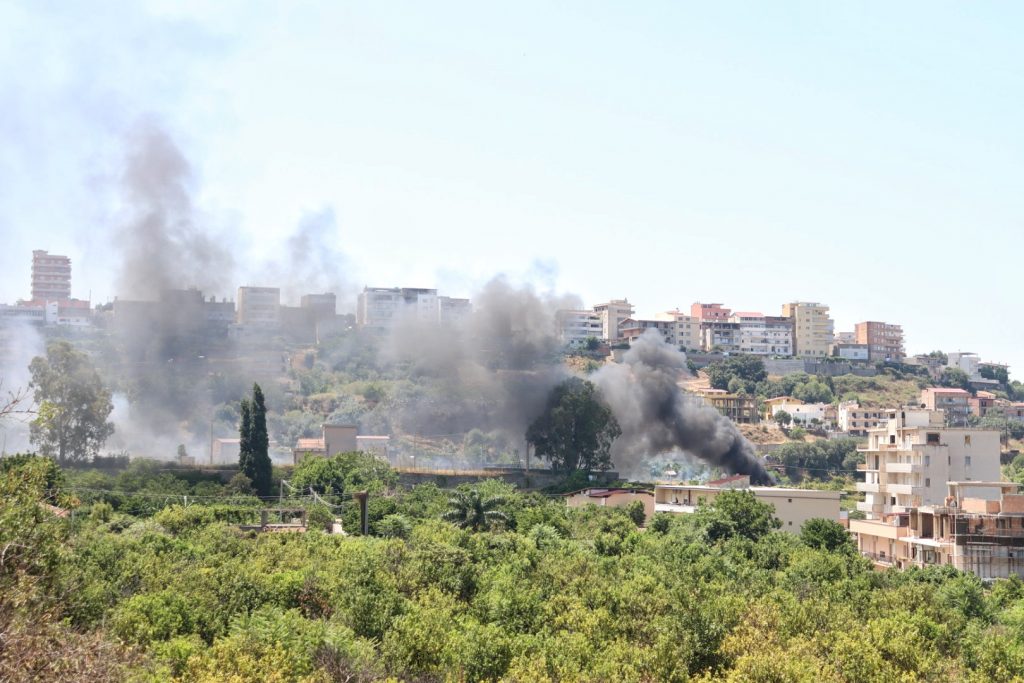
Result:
pixel 656 415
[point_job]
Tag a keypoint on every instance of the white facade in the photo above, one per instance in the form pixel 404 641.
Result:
pixel 793 507
pixel 910 459
pixel 763 335
pixel 686 333
pixel 852 419
pixel 575 327
pixel 966 361
pixel 802 412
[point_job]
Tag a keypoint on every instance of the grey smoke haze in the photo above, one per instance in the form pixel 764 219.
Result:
pixel 656 416
pixel 163 240
pixel 496 368
pixel 21 342
pixel 313 262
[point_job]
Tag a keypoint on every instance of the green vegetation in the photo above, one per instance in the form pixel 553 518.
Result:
pixel 71 423
pixel 254 444
pixel 176 592
pixel 576 429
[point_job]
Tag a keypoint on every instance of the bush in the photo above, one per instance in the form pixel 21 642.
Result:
pixel 319 516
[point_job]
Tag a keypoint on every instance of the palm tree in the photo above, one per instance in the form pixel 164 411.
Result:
pixel 468 510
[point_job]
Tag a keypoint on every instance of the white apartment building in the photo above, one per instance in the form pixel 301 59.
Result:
pixel 967 361
pixel 813 329
pixel 763 335
pixel 612 314
pixel 910 459
pixel 380 307
pixel 453 311
pixel 259 306
pixel 852 419
pixel 687 329
pixel 575 327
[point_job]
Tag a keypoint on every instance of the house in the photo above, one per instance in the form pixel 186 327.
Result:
pixel 793 507
pixel 612 498
pixel 982 534
pixel 981 403
pixel 340 439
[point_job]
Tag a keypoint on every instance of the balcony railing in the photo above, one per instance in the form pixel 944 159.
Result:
pixel 879 558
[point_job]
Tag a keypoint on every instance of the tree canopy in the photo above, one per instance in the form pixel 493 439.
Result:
pixel 74 404
pixel 254 443
pixel 576 429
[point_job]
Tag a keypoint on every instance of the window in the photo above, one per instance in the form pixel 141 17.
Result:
pixel 927 482
pixel 932 439
pixel 967 460
pixel 927 460
pixel 967 439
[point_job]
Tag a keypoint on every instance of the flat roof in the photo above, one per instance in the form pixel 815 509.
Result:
pixel 769 490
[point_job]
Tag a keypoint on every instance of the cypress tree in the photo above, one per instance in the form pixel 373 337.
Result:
pixel 245 459
pixel 260 443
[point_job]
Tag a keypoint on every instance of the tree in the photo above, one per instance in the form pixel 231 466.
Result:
pixel 782 418
pixel 955 378
pixel 826 534
pixel 74 404
pixel 254 444
pixel 592 344
pixel 748 368
pixel 470 510
pixel 736 513
pixel 576 429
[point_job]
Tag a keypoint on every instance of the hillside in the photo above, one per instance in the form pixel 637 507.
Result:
pixel 881 391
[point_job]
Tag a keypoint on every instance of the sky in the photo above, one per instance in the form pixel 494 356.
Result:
pixel 868 155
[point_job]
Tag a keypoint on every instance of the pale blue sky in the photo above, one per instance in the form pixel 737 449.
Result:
pixel 867 155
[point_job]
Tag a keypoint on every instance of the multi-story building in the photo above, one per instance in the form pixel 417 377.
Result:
pixel 967 361
pixel 764 335
pixel 324 306
pixel 739 409
pixel 687 329
pixel 793 507
pixel 856 421
pixel 981 403
pixel 631 329
pixel 720 335
pixel 51 276
pixel 813 331
pixel 453 311
pixel 844 338
pixel 955 403
pixel 884 340
pixel 613 313
pixel 978 527
pixel 909 460
pixel 704 312
pixel 379 307
pixel 575 327
pixel 259 306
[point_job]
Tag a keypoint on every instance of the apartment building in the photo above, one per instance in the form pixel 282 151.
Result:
pixel 613 313
pixel 981 403
pixel 259 306
pixel 978 527
pixel 575 327
pixel 687 329
pixel 452 310
pixel 764 335
pixel 632 329
pixel 51 276
pixel 813 329
pixel 955 403
pixel 910 458
pixel 856 421
pixel 884 340
pixel 720 335
pixel 704 312
pixel 793 507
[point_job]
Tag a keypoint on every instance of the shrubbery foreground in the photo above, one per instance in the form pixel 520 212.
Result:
pixel 135 587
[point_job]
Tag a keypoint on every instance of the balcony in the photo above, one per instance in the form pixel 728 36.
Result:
pixel 902 489
pixel 864 467
pixel 865 487
pixel 873 508
pixel 903 467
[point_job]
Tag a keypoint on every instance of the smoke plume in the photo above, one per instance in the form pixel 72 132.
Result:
pixel 164 241
pixel 656 416
pixel 312 262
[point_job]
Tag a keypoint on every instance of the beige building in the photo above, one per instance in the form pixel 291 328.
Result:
pixel 631 329
pixel 954 403
pixel 739 409
pixel 851 418
pixel 611 498
pixel 978 527
pixel 793 507
pixel 259 306
pixel 612 314
pixel 813 329
pixel 51 276
pixel 686 329
pixel 909 460
pixel 884 340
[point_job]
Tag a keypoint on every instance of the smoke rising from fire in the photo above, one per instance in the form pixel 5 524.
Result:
pixel 656 416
